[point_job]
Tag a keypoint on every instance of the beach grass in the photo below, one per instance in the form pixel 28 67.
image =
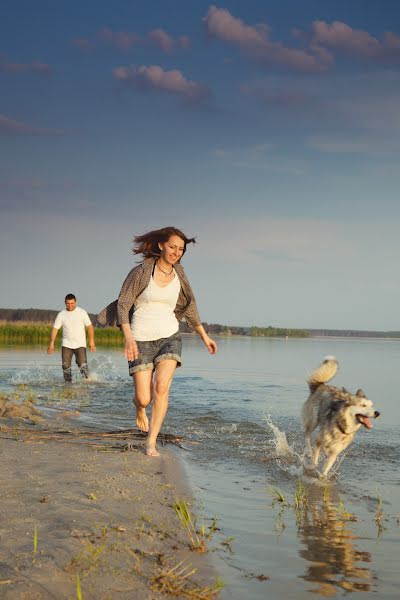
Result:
pixel 78 588
pixel 199 538
pixel 379 516
pixel 277 495
pixel 38 334
pixel 300 496
pixel 35 541
pixel 176 581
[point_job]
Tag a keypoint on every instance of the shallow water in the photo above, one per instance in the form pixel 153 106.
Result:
pixel 239 412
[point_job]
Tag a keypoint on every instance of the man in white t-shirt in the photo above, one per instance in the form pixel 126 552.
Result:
pixel 73 321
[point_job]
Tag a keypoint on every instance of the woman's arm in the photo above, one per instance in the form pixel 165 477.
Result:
pixel 131 349
pixel 128 295
pixel 208 342
pixel 126 299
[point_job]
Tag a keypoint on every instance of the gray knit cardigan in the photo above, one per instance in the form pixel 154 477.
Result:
pixel 120 311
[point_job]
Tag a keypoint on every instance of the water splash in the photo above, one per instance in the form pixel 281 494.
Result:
pixel 35 373
pixel 103 370
pixel 294 462
pixel 290 460
pixel 282 448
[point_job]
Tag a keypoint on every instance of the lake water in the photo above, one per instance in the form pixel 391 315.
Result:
pixel 239 413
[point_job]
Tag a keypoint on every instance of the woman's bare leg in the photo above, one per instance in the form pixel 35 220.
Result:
pixel 142 397
pixel 164 374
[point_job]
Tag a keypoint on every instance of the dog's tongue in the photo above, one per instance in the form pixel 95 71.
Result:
pixel 365 421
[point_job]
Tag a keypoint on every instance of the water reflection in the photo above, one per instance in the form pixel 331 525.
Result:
pixel 329 546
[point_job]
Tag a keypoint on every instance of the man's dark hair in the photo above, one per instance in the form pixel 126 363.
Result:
pixel 69 297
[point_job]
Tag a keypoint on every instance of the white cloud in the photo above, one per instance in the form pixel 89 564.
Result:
pixel 356 42
pixel 254 40
pixel 155 78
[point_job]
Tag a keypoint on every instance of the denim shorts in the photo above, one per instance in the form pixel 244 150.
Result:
pixel 151 353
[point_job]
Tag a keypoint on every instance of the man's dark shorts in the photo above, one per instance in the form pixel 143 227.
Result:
pixel 80 358
pixel 151 353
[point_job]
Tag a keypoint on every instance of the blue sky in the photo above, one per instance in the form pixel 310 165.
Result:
pixel 269 130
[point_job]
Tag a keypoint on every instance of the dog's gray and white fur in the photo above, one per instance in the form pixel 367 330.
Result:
pixel 338 414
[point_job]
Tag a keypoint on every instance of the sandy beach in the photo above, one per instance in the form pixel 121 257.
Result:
pixel 91 518
pixel 103 512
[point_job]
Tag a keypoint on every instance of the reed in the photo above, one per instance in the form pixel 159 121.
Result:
pixel 175 581
pixel 199 539
pixel 344 514
pixel 87 559
pixel 38 334
pixel 24 333
pixel 277 495
pixel 35 542
pixel 379 516
pixel 300 496
pixel 78 588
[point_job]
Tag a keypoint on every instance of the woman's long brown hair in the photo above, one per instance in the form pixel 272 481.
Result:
pixel 147 244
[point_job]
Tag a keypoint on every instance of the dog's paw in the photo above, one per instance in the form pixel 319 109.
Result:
pixel 310 469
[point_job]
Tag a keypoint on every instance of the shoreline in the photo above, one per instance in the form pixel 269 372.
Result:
pixel 76 514
pixel 18 344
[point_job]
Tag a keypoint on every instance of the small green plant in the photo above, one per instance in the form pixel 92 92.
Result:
pixel 379 516
pixel 227 544
pixel 175 581
pixel 198 539
pixel 213 527
pixel 86 560
pixel 35 542
pixel 23 387
pixel 343 513
pixel 300 497
pixel 146 518
pixel 277 495
pixel 280 523
pixel 78 588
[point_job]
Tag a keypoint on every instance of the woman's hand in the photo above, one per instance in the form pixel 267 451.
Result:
pixel 208 342
pixel 131 349
pixel 211 345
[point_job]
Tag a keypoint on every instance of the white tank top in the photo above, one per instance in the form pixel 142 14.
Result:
pixel 154 316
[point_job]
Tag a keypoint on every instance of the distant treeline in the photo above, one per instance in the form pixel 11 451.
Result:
pixel 32 328
pixel 352 333
pixel 32 315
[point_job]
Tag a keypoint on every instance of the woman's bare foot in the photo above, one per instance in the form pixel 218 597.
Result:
pixel 152 451
pixel 142 421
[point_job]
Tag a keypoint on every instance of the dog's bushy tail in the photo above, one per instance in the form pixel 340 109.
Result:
pixel 325 372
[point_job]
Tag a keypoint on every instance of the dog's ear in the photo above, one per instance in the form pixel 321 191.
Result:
pixel 360 393
pixel 337 406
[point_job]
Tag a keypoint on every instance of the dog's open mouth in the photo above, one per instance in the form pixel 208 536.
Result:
pixel 364 421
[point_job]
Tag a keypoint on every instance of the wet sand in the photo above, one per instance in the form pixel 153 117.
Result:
pixel 81 514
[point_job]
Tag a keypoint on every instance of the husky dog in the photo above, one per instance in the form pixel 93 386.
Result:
pixel 338 414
